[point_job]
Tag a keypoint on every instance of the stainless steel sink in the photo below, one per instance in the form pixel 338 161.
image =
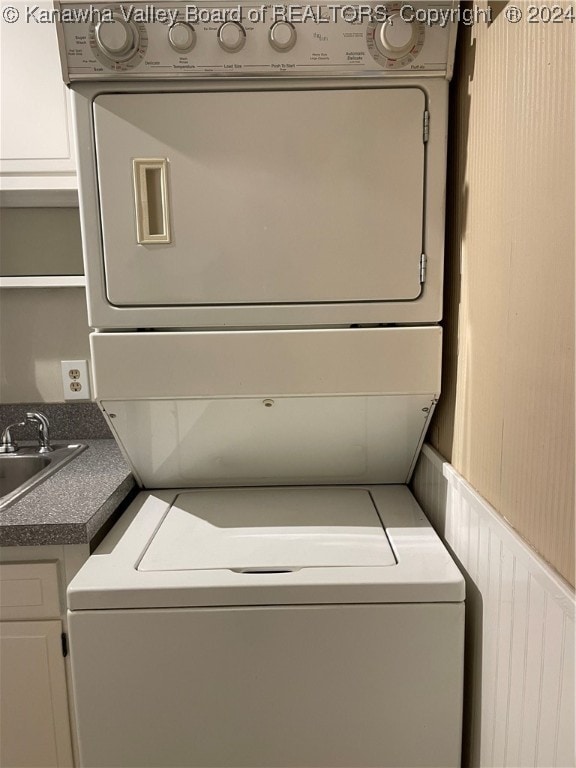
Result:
pixel 24 470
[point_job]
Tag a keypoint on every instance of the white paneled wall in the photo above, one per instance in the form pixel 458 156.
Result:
pixel 520 630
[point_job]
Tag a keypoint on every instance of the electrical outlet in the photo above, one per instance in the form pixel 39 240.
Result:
pixel 75 380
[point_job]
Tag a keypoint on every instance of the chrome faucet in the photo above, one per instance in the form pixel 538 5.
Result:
pixel 8 445
pixel 43 430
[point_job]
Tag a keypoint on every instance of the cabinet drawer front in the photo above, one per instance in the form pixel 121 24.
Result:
pixel 29 591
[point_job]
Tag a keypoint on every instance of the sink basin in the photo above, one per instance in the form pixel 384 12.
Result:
pixel 24 470
pixel 18 470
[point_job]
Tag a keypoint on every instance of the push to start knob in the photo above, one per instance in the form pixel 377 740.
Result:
pixel 282 36
pixel 117 39
pixel 395 36
pixel 182 37
pixel 231 36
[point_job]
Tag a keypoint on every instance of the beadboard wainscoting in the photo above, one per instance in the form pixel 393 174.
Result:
pixel 519 697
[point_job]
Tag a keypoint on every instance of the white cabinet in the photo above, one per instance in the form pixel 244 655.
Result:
pixel 33 698
pixel 34 710
pixel 37 156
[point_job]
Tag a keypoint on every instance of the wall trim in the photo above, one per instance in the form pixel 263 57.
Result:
pixel 520 670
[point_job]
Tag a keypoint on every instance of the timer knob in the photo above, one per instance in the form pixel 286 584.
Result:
pixel 395 36
pixel 117 39
pixel 282 36
pixel 231 36
pixel 182 37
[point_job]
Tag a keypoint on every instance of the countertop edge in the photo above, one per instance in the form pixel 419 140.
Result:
pixel 67 495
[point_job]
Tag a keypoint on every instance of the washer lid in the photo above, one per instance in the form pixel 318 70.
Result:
pixel 269 530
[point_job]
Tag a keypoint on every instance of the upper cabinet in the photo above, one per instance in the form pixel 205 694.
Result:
pixel 37 162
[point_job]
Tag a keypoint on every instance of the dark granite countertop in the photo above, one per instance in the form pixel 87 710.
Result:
pixel 76 504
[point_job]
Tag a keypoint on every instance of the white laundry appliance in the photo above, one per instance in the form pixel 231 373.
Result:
pixel 262 203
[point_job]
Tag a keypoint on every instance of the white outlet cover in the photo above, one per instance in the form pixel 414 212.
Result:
pixel 73 393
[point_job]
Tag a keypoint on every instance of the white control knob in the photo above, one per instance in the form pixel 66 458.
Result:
pixel 282 36
pixel 395 36
pixel 117 39
pixel 231 36
pixel 182 37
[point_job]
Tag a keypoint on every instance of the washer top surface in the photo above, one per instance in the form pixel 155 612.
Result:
pixel 265 530
pixel 239 547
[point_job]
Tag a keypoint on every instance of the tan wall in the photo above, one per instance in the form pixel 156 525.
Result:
pixel 506 417
pixel 40 241
pixel 39 327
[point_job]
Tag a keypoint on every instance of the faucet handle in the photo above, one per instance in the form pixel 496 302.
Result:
pixel 7 445
pixel 35 417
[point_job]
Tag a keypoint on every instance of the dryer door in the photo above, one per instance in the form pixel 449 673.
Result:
pixel 261 197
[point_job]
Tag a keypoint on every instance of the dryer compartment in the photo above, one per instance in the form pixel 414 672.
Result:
pixel 263 204
pixel 261 197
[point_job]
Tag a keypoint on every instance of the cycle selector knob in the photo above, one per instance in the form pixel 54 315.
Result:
pixel 282 36
pixel 182 37
pixel 117 39
pixel 395 37
pixel 232 36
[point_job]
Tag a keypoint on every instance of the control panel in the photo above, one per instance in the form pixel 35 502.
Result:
pixel 101 41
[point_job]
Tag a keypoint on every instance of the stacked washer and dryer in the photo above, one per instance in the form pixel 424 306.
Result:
pixel 262 200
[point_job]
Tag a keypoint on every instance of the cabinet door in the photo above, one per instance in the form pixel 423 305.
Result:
pixel 34 717
pixel 37 152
